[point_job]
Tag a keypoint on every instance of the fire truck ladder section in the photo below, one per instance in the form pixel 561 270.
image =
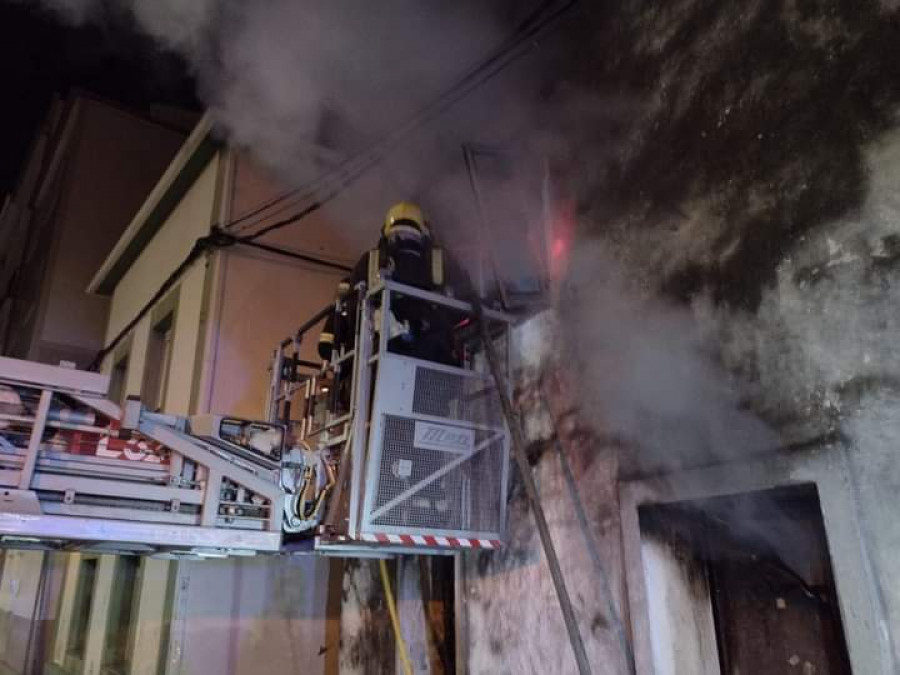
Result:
pixel 374 453
pixel 79 472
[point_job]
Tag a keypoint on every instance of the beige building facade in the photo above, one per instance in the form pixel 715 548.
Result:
pixel 202 346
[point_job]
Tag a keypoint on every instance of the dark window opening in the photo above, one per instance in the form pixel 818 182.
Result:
pixel 159 359
pixel 754 573
pixel 122 610
pixel 117 379
pixel 81 611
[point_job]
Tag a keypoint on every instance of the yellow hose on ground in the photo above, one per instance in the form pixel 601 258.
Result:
pixel 395 620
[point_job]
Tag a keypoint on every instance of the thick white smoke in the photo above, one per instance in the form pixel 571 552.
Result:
pixel 304 84
pixel 646 374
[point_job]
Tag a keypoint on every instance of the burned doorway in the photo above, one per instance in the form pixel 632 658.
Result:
pixel 742 584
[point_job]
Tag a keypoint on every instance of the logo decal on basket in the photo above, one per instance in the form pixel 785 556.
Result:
pixel 445 438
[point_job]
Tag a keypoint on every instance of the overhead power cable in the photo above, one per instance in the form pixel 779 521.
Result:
pixel 217 239
pixel 522 32
pixel 350 169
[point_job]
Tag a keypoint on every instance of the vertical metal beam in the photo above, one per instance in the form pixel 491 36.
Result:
pixel 521 457
pixel 211 498
pixel 275 386
pixel 485 242
pixel 360 437
pixel 34 443
pixel 592 546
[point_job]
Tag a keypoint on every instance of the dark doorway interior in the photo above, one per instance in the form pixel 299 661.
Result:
pixel 764 567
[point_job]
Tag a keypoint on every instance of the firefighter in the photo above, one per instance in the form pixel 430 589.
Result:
pixel 407 254
pixel 337 330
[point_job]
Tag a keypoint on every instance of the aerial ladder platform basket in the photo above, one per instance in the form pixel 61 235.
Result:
pixel 418 449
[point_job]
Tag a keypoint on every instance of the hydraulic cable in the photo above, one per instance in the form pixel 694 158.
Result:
pixel 402 647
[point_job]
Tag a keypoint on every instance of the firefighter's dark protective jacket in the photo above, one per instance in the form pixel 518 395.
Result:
pixel 419 264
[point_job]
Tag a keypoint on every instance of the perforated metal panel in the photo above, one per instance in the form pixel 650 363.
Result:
pixel 446 394
pixel 439 454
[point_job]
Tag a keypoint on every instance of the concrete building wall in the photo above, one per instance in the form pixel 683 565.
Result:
pixel 265 298
pixel 276 610
pixel 18 604
pixel 769 242
pixel 91 166
pixel 247 615
pixel 192 218
pixel 262 298
pixel 68 606
pixel 231 310
pixel 116 158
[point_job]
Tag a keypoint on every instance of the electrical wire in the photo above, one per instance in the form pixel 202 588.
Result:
pixel 297 256
pixel 529 28
pixel 402 647
pixel 368 163
pixel 217 239
pixel 199 247
pixel 346 173
pixel 524 31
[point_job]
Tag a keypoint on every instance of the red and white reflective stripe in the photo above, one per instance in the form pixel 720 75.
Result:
pixel 429 540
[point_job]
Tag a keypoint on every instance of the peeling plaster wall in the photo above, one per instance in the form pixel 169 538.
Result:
pixel 511 615
pixel 821 362
pixel 824 346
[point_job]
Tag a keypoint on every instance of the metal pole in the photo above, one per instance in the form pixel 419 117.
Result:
pixel 518 443
pixel 593 551
pixel 34 443
pixel 486 245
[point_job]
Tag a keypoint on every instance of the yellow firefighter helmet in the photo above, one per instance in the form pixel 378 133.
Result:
pixel 405 214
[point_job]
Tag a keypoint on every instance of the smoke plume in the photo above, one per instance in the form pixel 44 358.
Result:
pixel 304 85
pixel 647 375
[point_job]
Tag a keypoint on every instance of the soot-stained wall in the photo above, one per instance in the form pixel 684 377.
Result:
pixel 740 164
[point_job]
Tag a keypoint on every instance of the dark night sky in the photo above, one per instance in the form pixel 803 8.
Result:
pixel 40 57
